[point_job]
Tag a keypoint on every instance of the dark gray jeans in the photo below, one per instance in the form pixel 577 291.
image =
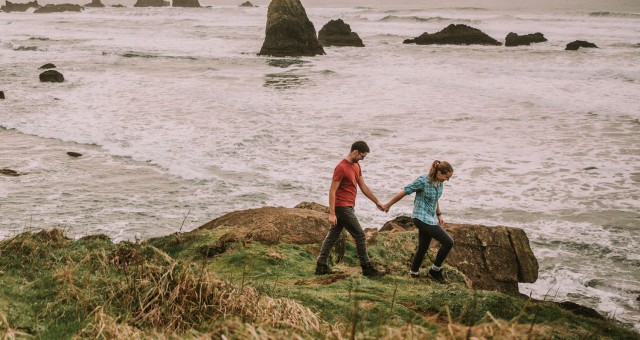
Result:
pixel 346 220
pixel 425 233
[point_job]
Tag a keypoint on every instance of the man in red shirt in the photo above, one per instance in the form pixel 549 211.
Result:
pixel 347 176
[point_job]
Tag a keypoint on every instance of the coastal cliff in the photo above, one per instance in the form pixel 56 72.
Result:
pixel 250 274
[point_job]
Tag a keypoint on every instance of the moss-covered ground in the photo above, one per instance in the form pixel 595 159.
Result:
pixel 196 285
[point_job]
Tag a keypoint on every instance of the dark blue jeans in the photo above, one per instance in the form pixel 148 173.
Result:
pixel 425 233
pixel 346 220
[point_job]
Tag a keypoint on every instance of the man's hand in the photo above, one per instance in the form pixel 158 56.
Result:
pixel 333 220
pixel 381 207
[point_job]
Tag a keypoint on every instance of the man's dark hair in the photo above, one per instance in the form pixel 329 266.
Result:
pixel 361 146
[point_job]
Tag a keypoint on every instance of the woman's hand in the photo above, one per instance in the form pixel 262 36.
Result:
pixel 440 220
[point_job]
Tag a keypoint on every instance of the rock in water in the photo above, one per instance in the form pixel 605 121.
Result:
pixel 94 3
pixel 51 76
pixel 186 3
pixel 74 154
pixel 150 3
pixel 14 7
pixel 51 8
pixel 47 66
pixel 289 32
pixel 1 94
pixel 572 46
pixel 455 35
pixel 338 33
pixel 513 39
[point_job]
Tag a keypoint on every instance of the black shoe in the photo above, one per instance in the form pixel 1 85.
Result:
pixel 414 275
pixel 370 271
pixel 323 269
pixel 437 275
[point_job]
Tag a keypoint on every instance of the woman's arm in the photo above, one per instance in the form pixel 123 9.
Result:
pixel 394 200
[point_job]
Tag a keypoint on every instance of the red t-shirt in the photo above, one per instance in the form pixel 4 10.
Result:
pixel 347 174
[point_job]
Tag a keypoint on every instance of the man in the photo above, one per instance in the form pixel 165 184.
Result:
pixel 342 198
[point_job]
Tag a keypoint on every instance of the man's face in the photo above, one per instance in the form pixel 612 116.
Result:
pixel 359 156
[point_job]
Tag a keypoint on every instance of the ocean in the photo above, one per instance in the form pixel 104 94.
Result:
pixel 179 122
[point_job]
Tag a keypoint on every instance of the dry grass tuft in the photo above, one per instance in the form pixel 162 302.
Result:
pixel 157 292
pixel 105 326
pixel 496 329
pixel 8 333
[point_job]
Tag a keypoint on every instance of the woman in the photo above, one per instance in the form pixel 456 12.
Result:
pixel 427 216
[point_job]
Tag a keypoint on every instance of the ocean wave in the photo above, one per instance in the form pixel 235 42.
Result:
pixel 614 14
pixel 423 19
pixel 151 56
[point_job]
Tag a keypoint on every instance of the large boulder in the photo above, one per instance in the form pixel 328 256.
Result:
pixel 455 35
pixel 51 76
pixel 289 31
pixel 186 3
pixel 513 39
pixel 16 7
pixel 492 258
pixel 94 3
pixel 338 33
pixel 50 8
pixel 572 46
pixel 151 3
pixel 271 225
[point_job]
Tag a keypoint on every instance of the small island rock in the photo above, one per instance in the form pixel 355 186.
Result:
pixel 513 39
pixel 289 31
pixel 573 46
pixel 455 35
pixel 51 76
pixel 338 33
pixel 186 3
pixel 16 7
pixel 50 8
pixel 247 4
pixel 94 3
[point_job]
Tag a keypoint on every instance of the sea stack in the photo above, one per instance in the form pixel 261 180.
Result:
pixel 513 39
pixel 289 32
pixel 338 33
pixel 455 35
pixel 186 3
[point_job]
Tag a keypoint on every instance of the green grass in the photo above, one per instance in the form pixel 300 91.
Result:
pixel 197 284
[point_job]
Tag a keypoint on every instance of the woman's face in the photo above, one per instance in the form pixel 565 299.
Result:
pixel 441 177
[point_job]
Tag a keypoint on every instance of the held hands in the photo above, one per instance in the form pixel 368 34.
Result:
pixel 381 207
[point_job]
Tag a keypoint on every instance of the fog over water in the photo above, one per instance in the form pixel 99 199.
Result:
pixel 179 121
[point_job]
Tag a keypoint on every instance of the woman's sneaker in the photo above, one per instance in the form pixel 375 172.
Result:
pixel 437 275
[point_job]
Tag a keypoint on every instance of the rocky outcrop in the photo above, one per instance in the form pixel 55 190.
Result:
pixel 572 46
pixel 47 66
pixel 9 172
pixel 492 258
pixel 50 8
pixel 513 39
pixel 186 3
pixel 151 3
pixel 51 76
pixel 455 35
pixel 289 31
pixel 247 4
pixel 94 3
pixel 16 7
pixel 271 225
pixel 338 33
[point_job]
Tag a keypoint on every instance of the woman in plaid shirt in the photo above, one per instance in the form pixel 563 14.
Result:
pixel 427 216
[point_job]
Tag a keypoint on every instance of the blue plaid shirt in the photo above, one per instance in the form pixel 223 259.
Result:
pixel 424 205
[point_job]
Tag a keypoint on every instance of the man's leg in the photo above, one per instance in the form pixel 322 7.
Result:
pixel 329 241
pixel 348 216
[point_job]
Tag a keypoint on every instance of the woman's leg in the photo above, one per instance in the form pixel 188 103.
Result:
pixel 424 239
pixel 446 243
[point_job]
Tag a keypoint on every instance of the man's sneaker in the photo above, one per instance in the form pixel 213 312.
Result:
pixel 370 271
pixel 414 275
pixel 323 269
pixel 437 275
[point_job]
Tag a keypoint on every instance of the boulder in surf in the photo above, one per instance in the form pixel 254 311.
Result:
pixel 289 32
pixel 338 33
pixel 455 35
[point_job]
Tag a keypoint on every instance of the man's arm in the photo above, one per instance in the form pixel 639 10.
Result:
pixel 367 192
pixel 332 202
